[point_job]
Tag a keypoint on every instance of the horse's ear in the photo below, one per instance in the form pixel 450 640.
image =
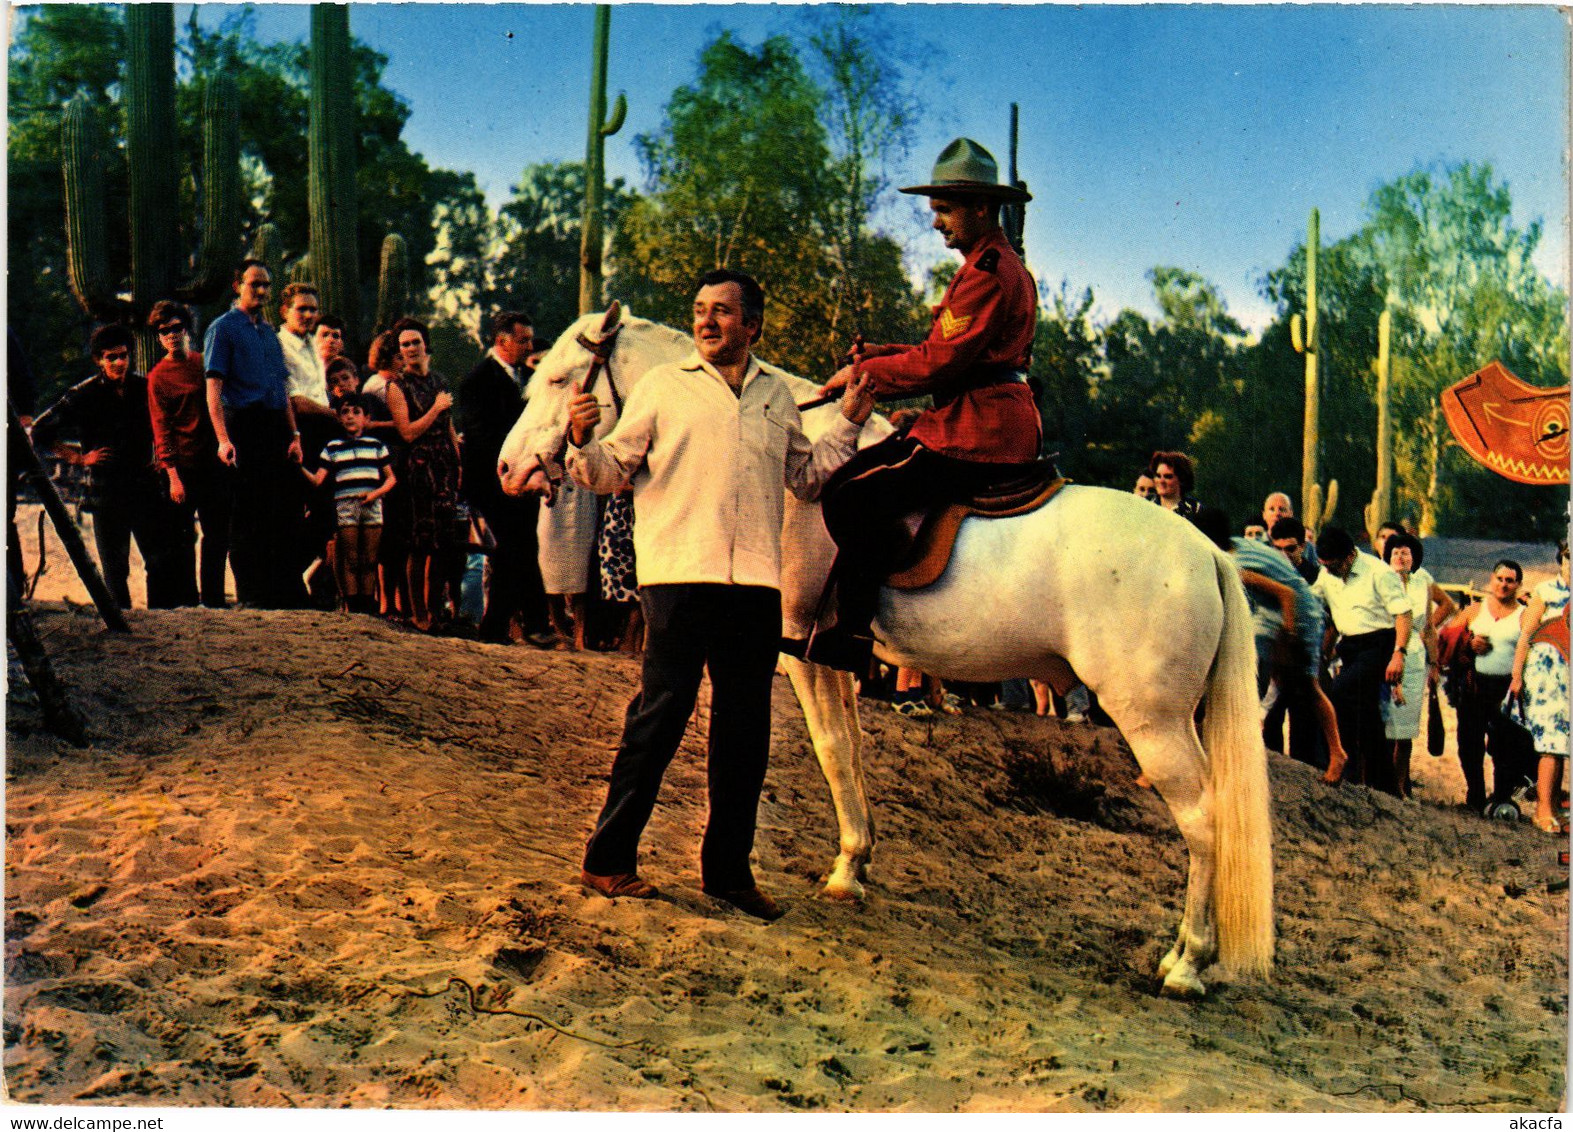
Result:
pixel 613 314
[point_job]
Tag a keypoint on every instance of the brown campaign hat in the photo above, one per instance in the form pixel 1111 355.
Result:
pixel 965 168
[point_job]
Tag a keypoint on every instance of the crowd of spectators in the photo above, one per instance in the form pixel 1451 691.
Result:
pixel 316 485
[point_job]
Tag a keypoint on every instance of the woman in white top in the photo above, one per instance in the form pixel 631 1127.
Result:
pixel 1402 707
pixel 1540 675
pixel 1493 639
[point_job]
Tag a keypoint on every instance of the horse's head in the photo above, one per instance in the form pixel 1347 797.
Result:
pixel 534 444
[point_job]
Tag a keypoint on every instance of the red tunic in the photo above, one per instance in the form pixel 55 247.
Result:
pixel 983 328
pixel 177 397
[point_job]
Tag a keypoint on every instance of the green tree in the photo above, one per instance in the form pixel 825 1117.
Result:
pixel 1440 248
pixel 1066 355
pixel 870 111
pixel 538 269
pixel 1465 291
pixel 738 177
pixel 59 51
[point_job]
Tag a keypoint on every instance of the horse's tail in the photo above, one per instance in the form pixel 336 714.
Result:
pixel 1241 803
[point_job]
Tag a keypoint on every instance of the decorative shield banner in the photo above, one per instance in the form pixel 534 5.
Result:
pixel 1518 430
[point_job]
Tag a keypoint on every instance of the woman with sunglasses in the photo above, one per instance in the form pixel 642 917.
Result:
pixel 186 449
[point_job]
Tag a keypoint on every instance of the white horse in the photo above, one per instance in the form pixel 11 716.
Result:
pixel 1144 609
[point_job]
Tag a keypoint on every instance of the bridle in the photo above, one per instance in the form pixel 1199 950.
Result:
pixel 601 350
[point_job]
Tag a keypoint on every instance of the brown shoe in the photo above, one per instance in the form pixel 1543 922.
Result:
pixel 619 884
pixel 750 900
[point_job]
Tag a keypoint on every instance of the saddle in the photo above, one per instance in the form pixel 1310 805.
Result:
pixel 935 530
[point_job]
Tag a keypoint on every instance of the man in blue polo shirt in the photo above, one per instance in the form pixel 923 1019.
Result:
pixel 255 426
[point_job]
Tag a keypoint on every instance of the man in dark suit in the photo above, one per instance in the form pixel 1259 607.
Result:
pixel 491 397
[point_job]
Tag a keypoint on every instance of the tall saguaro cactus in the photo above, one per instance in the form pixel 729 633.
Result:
pixel 332 140
pixel 393 282
pixel 1381 505
pixel 601 128
pixel 154 164
pixel 1306 335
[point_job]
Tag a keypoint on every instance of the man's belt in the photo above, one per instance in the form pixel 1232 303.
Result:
pixel 981 377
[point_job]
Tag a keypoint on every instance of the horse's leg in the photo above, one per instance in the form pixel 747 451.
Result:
pixel 1170 754
pixel 830 708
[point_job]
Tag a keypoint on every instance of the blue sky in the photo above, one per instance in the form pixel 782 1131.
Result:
pixel 1193 136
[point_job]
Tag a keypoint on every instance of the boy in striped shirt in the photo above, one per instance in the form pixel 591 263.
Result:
pixel 360 468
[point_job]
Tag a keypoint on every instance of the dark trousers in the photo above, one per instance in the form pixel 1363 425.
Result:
pixel 265 525
pixel 1356 693
pixel 209 498
pixel 516 569
pixel 734 632
pixel 141 511
pixel 1296 703
pixel 866 503
pixel 1480 720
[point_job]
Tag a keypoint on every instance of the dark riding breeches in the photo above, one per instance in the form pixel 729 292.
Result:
pixel 865 504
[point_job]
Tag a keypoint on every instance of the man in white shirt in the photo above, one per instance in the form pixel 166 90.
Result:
pixel 1371 616
pixel 307 385
pixel 709 445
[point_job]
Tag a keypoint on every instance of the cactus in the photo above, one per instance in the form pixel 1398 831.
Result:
pixel 332 138
pixel 1305 335
pixel 393 282
pixel 268 247
pixel 149 100
pixel 601 128
pixel 1381 505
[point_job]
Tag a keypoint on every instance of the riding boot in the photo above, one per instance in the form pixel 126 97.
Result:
pixel 848 644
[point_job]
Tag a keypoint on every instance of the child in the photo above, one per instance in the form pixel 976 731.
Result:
pixel 362 475
pixel 343 378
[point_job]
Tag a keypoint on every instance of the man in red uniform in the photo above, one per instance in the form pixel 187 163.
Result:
pixel 984 424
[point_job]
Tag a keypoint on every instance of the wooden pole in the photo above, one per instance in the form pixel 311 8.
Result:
pixel 1015 213
pixel 59 716
pixel 43 486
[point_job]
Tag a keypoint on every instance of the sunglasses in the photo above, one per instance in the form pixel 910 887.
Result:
pixel 174 328
pixel 116 355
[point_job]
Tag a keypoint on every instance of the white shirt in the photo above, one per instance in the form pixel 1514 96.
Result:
pixel 1503 635
pixel 1365 601
pixel 708 467
pixel 1418 591
pixel 306 376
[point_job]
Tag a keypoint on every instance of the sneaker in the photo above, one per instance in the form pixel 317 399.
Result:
pixel 1075 717
pixel 951 704
pixel 912 709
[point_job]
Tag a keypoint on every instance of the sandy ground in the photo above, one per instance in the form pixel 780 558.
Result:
pixel 311 860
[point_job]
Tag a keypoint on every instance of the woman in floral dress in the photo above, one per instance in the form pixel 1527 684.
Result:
pixel 1540 675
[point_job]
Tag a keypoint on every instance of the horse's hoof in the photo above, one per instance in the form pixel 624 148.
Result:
pixel 844 886
pixel 1181 983
pixel 1169 961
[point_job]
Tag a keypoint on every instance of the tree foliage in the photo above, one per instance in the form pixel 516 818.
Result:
pixel 739 176
pixel 62 50
pixel 538 269
pixel 1438 248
